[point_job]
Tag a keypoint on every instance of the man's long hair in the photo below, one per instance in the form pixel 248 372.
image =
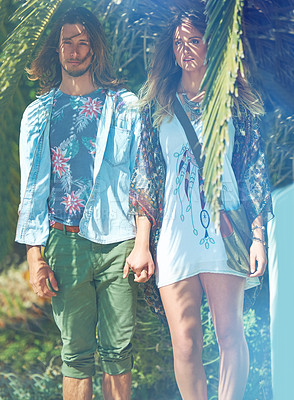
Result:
pixel 47 68
pixel 164 75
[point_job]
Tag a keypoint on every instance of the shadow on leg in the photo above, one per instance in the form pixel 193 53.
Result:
pixel 225 296
pixel 182 302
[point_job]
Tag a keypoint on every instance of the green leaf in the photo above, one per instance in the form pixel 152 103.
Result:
pixel 224 59
pixel 34 17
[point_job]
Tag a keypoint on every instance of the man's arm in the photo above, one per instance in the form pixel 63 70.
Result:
pixel 40 273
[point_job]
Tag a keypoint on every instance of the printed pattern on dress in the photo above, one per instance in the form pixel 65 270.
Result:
pixel 187 175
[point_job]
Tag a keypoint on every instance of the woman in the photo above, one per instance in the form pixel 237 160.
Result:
pixel 167 197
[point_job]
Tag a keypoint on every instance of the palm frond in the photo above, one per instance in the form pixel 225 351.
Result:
pixel 224 59
pixel 34 16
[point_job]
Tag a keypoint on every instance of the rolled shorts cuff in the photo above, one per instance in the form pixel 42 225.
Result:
pixel 72 372
pixel 117 367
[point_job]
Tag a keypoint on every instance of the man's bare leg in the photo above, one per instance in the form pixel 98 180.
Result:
pixel 77 389
pixel 117 387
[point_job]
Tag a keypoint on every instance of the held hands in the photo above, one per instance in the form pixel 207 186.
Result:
pixel 141 263
pixel 40 273
pixel 140 260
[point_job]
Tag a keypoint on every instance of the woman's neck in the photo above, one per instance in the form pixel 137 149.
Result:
pixel 190 83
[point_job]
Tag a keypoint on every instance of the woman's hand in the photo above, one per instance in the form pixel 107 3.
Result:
pixel 258 258
pixel 141 263
pixel 140 259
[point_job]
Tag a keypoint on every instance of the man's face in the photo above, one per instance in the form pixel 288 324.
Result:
pixel 75 53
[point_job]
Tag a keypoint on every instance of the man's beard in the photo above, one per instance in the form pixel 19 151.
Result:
pixel 81 72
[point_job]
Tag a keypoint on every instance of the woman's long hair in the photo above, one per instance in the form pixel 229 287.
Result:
pixel 159 91
pixel 46 67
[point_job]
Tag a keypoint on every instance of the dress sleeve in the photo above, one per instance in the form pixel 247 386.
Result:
pixel 250 168
pixel 146 193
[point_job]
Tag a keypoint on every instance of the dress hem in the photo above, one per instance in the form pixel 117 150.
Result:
pixel 247 285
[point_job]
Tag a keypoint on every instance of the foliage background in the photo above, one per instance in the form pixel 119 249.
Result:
pixel 131 26
pixel 30 348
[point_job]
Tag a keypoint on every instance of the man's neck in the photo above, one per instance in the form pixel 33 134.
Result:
pixel 77 86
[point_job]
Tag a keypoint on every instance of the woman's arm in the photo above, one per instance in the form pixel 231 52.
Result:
pixel 258 258
pixel 140 259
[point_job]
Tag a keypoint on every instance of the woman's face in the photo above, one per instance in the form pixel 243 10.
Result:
pixel 189 49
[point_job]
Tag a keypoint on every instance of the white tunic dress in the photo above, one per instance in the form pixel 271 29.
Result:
pixel 188 243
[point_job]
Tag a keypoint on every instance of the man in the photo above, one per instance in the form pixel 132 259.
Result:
pixel 77 148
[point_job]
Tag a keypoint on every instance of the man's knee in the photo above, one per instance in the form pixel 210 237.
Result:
pixel 116 362
pixel 78 366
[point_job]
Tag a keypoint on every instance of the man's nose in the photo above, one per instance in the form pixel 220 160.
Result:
pixel 74 51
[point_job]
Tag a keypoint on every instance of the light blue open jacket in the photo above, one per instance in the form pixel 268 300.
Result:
pixel 106 218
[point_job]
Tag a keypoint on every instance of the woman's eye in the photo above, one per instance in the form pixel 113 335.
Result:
pixel 177 42
pixel 195 41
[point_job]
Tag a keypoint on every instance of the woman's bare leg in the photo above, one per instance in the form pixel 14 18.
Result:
pixel 225 296
pixel 182 301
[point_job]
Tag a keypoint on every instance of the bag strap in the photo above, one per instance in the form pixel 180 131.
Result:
pixel 190 132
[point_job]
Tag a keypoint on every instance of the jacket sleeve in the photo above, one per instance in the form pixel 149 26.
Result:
pixel 28 139
pixel 33 223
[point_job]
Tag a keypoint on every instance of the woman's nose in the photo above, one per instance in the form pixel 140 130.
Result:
pixel 186 48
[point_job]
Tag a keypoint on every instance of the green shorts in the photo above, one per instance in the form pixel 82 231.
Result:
pixel 92 291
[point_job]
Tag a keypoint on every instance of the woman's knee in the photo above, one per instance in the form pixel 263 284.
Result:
pixel 230 337
pixel 187 348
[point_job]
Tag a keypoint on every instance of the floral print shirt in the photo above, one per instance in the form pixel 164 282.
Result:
pixel 73 129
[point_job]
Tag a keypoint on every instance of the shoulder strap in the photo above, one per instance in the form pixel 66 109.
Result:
pixel 190 132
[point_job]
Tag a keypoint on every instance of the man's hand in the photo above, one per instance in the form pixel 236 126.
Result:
pixel 40 272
